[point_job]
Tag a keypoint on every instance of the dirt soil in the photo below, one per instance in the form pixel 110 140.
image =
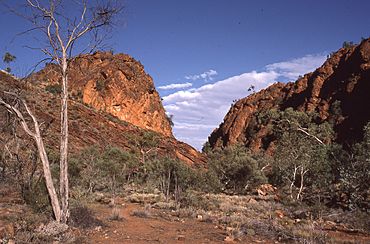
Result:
pixel 138 224
pixel 159 227
pixel 153 229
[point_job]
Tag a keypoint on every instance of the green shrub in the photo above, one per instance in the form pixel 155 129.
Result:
pixel 348 44
pixel 94 169
pixel 170 176
pixel 195 200
pixel 37 197
pixel 100 85
pixel 54 88
pixel 235 168
pixel 170 119
pixel 82 216
pixel 354 172
pixel 301 161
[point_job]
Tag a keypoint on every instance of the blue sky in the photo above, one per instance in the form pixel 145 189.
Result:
pixel 213 50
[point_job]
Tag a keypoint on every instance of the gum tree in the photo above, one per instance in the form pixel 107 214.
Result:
pixel 63 26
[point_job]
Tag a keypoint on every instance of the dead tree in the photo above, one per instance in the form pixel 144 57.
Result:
pixel 36 135
pixel 62 30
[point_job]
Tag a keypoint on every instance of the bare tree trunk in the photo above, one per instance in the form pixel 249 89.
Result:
pixel 293 181
pixel 48 179
pixel 64 186
pixel 61 32
pixel 113 201
pixel 168 185
pixel 177 190
pixel 42 153
pixel 303 172
pixel 142 156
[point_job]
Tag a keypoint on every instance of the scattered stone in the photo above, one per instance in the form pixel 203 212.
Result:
pixel 228 239
pixel 250 232
pixel 229 229
pixel 98 228
pixel 181 238
pixel 252 201
pixel 279 213
pixel 52 229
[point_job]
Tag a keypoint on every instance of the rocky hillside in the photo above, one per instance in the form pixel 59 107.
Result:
pixel 89 126
pixel 339 91
pixel 116 84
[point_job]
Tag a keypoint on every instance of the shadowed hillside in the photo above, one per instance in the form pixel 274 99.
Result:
pixel 338 91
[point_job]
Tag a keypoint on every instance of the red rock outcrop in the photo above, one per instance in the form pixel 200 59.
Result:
pixel 116 84
pixel 344 77
pixel 88 126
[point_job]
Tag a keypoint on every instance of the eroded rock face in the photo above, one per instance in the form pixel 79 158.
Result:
pixel 116 84
pixel 87 126
pixel 343 82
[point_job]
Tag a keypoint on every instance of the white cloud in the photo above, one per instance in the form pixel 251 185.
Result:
pixel 197 111
pixel 299 66
pixel 176 86
pixel 206 76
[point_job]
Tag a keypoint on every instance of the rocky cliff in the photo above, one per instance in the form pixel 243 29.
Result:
pixel 116 84
pixel 342 83
pixel 90 126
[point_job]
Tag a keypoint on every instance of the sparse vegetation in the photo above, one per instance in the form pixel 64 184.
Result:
pixel 142 213
pixel 82 216
pixel 235 169
pixel 301 158
pixel 300 188
pixel 8 58
pixel 226 193
pixel 115 215
pixel 100 85
pixel 348 44
pixel 170 119
pixel 54 89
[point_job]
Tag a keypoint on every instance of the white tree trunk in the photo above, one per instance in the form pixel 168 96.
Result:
pixel 48 179
pixel 64 185
pixel 303 172
pixel 293 181
pixel 36 135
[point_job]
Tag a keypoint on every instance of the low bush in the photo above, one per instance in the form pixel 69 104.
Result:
pixel 142 213
pixel 234 170
pixel 54 88
pixel 193 199
pixel 37 197
pixel 115 215
pixel 83 217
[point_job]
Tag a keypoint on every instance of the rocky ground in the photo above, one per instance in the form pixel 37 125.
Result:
pixel 207 218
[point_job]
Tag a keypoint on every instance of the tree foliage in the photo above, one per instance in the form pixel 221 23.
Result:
pixel 8 58
pixel 235 168
pixel 302 151
pixel 354 173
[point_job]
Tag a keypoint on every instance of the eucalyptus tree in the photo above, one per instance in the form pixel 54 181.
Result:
pixel 62 24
